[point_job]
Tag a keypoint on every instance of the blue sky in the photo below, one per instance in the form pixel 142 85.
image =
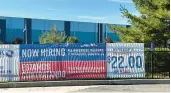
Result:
pixel 103 11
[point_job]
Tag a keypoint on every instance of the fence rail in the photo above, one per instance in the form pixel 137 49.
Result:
pixel 157 62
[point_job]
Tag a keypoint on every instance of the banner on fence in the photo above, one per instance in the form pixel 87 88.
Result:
pixel 9 62
pixel 125 60
pixel 46 62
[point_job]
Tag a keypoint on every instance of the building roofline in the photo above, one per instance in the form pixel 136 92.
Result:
pixel 62 20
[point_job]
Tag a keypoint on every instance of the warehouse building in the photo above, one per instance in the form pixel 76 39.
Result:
pixel 30 29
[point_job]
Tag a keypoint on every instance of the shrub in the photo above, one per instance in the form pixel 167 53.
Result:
pixel 108 40
pixel 17 41
pixel 72 39
pixel 1 42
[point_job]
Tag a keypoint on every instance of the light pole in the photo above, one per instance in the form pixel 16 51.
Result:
pixel 25 32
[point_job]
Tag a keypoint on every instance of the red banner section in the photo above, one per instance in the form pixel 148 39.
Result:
pixel 66 70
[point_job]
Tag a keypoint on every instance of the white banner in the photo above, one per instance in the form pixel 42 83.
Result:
pixel 125 60
pixel 9 62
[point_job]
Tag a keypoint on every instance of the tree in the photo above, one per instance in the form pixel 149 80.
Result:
pixel 152 25
pixel 53 36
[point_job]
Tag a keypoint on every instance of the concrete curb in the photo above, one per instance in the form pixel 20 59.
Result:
pixel 83 83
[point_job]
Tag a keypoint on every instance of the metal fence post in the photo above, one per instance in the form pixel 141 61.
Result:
pixel 152 63
pixel 152 48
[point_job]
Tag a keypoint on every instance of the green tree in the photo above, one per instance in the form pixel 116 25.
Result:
pixel 153 24
pixel 52 36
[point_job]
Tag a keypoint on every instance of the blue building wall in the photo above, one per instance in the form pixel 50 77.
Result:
pixel 86 32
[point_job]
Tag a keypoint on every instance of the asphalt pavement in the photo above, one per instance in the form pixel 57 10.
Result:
pixel 128 88
pixel 163 88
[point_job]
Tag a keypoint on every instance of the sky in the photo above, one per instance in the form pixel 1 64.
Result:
pixel 102 11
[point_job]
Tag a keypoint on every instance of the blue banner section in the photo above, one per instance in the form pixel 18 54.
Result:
pixel 62 52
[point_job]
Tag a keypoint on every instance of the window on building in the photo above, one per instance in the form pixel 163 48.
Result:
pixel 38 26
pixel 85 32
pixel 109 33
pixel 14 28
